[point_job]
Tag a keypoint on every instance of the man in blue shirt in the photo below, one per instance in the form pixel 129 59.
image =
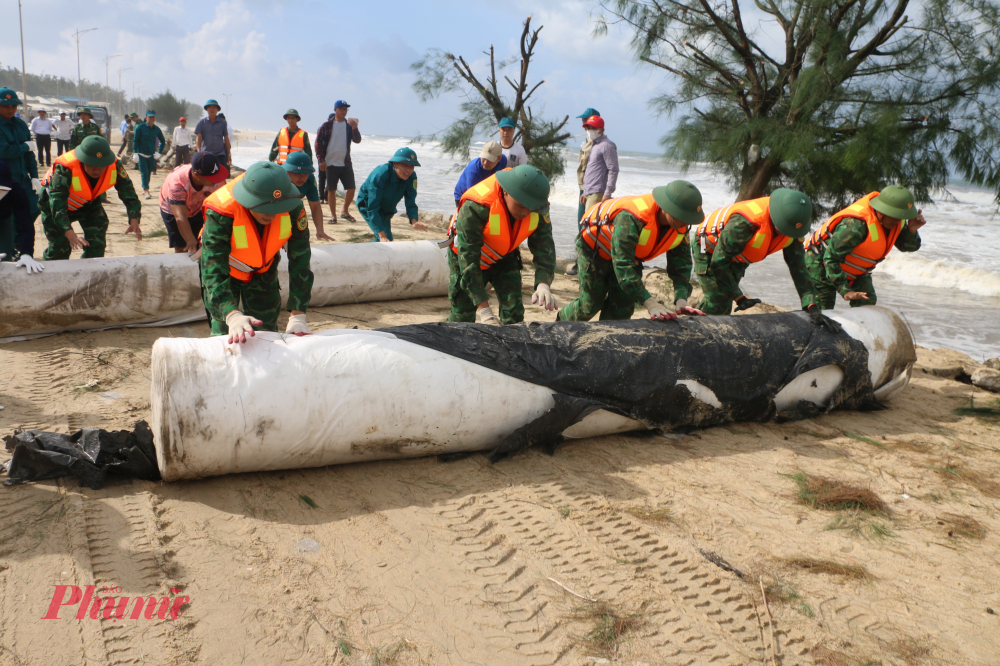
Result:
pixel 491 159
pixel 384 187
pixel 14 138
pixel 212 134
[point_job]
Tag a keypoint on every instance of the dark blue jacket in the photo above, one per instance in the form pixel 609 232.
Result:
pixel 16 203
pixel 474 174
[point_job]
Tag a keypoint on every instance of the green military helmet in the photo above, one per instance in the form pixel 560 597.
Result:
pixel 133 115
pixel 8 97
pixel 791 212
pixel 95 151
pixel 681 200
pixel 150 113
pixel 895 201
pixel 292 112
pixel 266 188
pixel 298 163
pixel 405 156
pixel 527 184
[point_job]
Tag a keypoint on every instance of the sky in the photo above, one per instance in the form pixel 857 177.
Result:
pixel 270 55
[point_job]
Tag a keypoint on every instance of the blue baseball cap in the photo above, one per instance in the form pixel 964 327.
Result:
pixel 339 103
pixel 507 122
pixel 405 156
pixel 591 111
pixel 210 103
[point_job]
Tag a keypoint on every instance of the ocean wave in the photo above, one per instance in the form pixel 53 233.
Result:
pixel 942 274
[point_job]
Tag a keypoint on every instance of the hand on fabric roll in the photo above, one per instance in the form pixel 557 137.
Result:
pixel 486 316
pixel 744 303
pixel 241 326
pixel 297 325
pixel 543 297
pixel 856 296
pixel 28 263
pixel 657 310
pixel 682 308
pixel 817 317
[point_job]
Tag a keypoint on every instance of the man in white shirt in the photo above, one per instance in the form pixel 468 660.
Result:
pixel 62 128
pixel 42 127
pixel 181 141
pixel 514 152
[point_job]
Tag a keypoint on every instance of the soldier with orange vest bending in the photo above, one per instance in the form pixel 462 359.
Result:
pixel 74 192
pixel 494 217
pixel 617 236
pixel 841 254
pixel 732 238
pixel 291 139
pixel 246 223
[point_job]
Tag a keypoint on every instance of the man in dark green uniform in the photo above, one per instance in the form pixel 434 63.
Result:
pixel 265 191
pixel 95 154
pixel 86 127
pixel 892 206
pixel 14 149
pixel 293 119
pixel 614 287
pixel 300 171
pixel 382 190
pixel 144 145
pixel 524 190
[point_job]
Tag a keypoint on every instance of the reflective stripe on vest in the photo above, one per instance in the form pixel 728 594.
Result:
pixel 500 237
pixel 765 241
pixel 599 228
pixel 863 259
pixel 249 253
pixel 80 193
pixel 286 146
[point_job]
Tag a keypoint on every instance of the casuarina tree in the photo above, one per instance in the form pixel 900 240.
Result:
pixel 833 97
pixel 169 110
pixel 487 100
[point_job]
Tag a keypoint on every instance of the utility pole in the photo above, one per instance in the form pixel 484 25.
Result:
pixel 121 91
pixel 107 81
pixel 227 96
pixel 134 83
pixel 24 77
pixel 79 76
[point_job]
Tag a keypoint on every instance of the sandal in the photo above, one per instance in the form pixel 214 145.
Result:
pixel 348 218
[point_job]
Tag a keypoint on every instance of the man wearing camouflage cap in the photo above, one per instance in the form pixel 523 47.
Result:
pixel 618 235
pixel 86 127
pixel 246 223
pixel 73 193
pixel 732 238
pixel 14 149
pixel 493 218
pixel 382 191
pixel 841 254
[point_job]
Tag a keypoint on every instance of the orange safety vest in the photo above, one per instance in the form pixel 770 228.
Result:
pixel 766 241
pixel 865 257
pixel 249 252
pixel 599 227
pixel 80 192
pixel 500 237
pixel 297 144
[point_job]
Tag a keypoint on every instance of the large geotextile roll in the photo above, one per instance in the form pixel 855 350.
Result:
pixel 280 402
pixel 163 289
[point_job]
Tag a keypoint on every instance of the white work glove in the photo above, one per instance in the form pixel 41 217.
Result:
pixel 543 296
pixel 135 158
pixel 297 325
pixel 36 185
pixel 241 326
pixel 157 156
pixel 682 308
pixel 486 316
pixel 658 311
pixel 28 263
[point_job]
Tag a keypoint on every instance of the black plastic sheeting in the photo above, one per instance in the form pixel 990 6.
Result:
pixel 88 455
pixel 632 367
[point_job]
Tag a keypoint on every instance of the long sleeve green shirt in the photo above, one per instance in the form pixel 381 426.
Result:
pixel 53 199
pixel 307 148
pixel 216 244
pixel 380 194
pixel 623 243
pixel 472 220
pixel 734 238
pixel 847 235
pixel 81 131
pixel 14 138
pixel 144 139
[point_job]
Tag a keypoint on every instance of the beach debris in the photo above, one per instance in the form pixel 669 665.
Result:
pixel 717 560
pixel 307 545
pixel 992 363
pixel 987 379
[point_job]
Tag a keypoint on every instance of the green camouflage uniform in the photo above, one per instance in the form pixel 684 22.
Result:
pixel 829 279
pixel 260 297
pixel 57 217
pixel 81 132
pixel 614 287
pixel 720 276
pixel 467 281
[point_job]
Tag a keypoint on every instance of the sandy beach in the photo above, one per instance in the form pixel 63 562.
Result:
pixel 718 547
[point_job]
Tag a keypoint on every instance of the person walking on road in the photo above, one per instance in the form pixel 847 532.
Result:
pixel 491 160
pixel 514 152
pixel 382 191
pixel 333 150
pixel 181 141
pixel 14 138
pixel 211 134
pixel 581 169
pixel 86 127
pixel 182 194
pixel 127 134
pixel 145 147
pixel 63 129
pixel 73 189
pixel 291 139
pixel 42 127
pixel 300 171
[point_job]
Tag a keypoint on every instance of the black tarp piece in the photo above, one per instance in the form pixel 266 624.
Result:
pixel 89 455
pixel 632 367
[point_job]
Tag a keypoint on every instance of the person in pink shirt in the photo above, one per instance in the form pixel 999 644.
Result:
pixel 181 197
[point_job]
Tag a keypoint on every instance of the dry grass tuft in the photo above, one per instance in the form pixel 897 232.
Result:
pixel 911 651
pixel 654 516
pixel 916 447
pixel 952 472
pixel 823 656
pixel 832 495
pixel 831 568
pixel 962 526
pixel 862 524
pixel 610 627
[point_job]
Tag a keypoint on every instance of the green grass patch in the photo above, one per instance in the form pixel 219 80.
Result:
pixel 866 440
pixel 159 233
pixel 861 524
pixel 829 567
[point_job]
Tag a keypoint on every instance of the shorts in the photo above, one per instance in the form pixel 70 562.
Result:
pixel 174 235
pixel 344 174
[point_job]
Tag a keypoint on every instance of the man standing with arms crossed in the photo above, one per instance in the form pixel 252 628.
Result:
pixel 181 142
pixel 211 134
pixel 333 150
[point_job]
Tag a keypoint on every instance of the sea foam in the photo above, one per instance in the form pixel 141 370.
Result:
pixel 918 272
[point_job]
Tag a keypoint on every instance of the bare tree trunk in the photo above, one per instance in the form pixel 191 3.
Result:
pixel 755 178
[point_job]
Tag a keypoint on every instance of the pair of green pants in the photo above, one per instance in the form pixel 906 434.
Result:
pixel 715 301
pixel 259 298
pixel 599 290
pixel 505 276
pixel 826 292
pixel 94 222
pixel 147 165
